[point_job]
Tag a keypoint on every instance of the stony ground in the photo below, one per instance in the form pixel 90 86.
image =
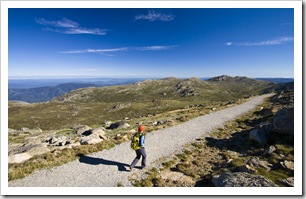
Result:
pixel 108 168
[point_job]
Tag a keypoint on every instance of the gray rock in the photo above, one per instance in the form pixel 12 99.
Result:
pixel 258 136
pixel 260 133
pixel 247 168
pixel 11 130
pixel 18 158
pixel 107 124
pixel 241 179
pixel 120 124
pixel 81 129
pixel 98 132
pixel 283 121
pixel 24 129
pixel 288 182
pixel 289 165
pixel 91 139
pixel 26 152
pixel 269 150
pixel 256 162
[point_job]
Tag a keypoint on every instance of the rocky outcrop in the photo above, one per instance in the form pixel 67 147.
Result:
pixel 255 162
pixel 79 130
pixel 269 150
pixel 26 152
pixel 289 182
pixel 289 165
pixel 260 133
pixel 241 179
pixel 91 139
pixel 283 124
pixel 39 143
pixel 120 124
pixel 283 121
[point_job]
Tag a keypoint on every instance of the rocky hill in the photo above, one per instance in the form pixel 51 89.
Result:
pixel 172 89
pixel 70 125
pixel 94 105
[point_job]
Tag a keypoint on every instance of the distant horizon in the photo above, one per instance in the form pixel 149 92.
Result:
pixel 125 77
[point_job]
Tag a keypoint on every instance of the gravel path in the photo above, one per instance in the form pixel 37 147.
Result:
pixel 107 168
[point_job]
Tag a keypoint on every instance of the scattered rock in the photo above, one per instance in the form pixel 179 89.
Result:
pixel 256 162
pixel 269 150
pixel 81 129
pixel 157 123
pixel 91 139
pixel 288 182
pixel 289 165
pixel 11 130
pixel 120 124
pixel 283 121
pixel 58 140
pixel 99 132
pixel 18 158
pixel 260 133
pixel 247 168
pixel 107 124
pixel 241 179
pixel 26 152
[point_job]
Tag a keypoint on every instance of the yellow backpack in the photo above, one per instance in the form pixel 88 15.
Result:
pixel 135 141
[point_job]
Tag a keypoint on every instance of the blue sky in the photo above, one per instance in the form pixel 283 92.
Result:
pixel 163 42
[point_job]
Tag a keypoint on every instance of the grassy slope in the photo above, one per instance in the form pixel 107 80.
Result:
pixel 93 106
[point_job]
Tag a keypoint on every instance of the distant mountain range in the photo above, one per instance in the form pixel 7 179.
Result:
pixel 33 91
pixel 45 93
pixel 277 80
pixel 43 90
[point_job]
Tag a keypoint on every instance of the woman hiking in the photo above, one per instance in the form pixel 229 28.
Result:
pixel 137 144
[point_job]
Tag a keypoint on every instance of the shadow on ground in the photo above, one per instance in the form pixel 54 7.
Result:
pixel 96 161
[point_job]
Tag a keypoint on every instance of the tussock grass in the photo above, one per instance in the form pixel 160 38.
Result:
pixel 203 159
pixel 55 158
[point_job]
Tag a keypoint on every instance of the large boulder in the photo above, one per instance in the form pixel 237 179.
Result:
pixel 120 124
pixel 60 140
pixel 26 152
pixel 283 121
pixel 81 129
pixel 260 133
pixel 289 165
pixel 98 132
pixel 91 139
pixel 18 158
pixel 241 179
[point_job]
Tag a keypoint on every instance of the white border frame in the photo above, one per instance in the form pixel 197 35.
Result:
pixel 296 190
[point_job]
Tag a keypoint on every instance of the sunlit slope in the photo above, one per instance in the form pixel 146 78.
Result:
pixel 92 106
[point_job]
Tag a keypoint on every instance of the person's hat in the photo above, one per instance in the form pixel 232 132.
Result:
pixel 141 128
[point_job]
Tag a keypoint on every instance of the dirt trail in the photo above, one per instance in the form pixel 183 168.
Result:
pixel 107 168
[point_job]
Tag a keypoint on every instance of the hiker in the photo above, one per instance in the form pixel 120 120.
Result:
pixel 137 144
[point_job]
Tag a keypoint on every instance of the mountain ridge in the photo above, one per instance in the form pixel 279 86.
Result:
pixel 94 105
pixel 30 91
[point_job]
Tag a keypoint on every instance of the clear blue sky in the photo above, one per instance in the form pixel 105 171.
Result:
pixel 125 42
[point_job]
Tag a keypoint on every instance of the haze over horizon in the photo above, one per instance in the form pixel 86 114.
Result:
pixel 151 43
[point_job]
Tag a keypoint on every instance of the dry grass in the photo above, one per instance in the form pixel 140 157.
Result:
pixel 208 157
